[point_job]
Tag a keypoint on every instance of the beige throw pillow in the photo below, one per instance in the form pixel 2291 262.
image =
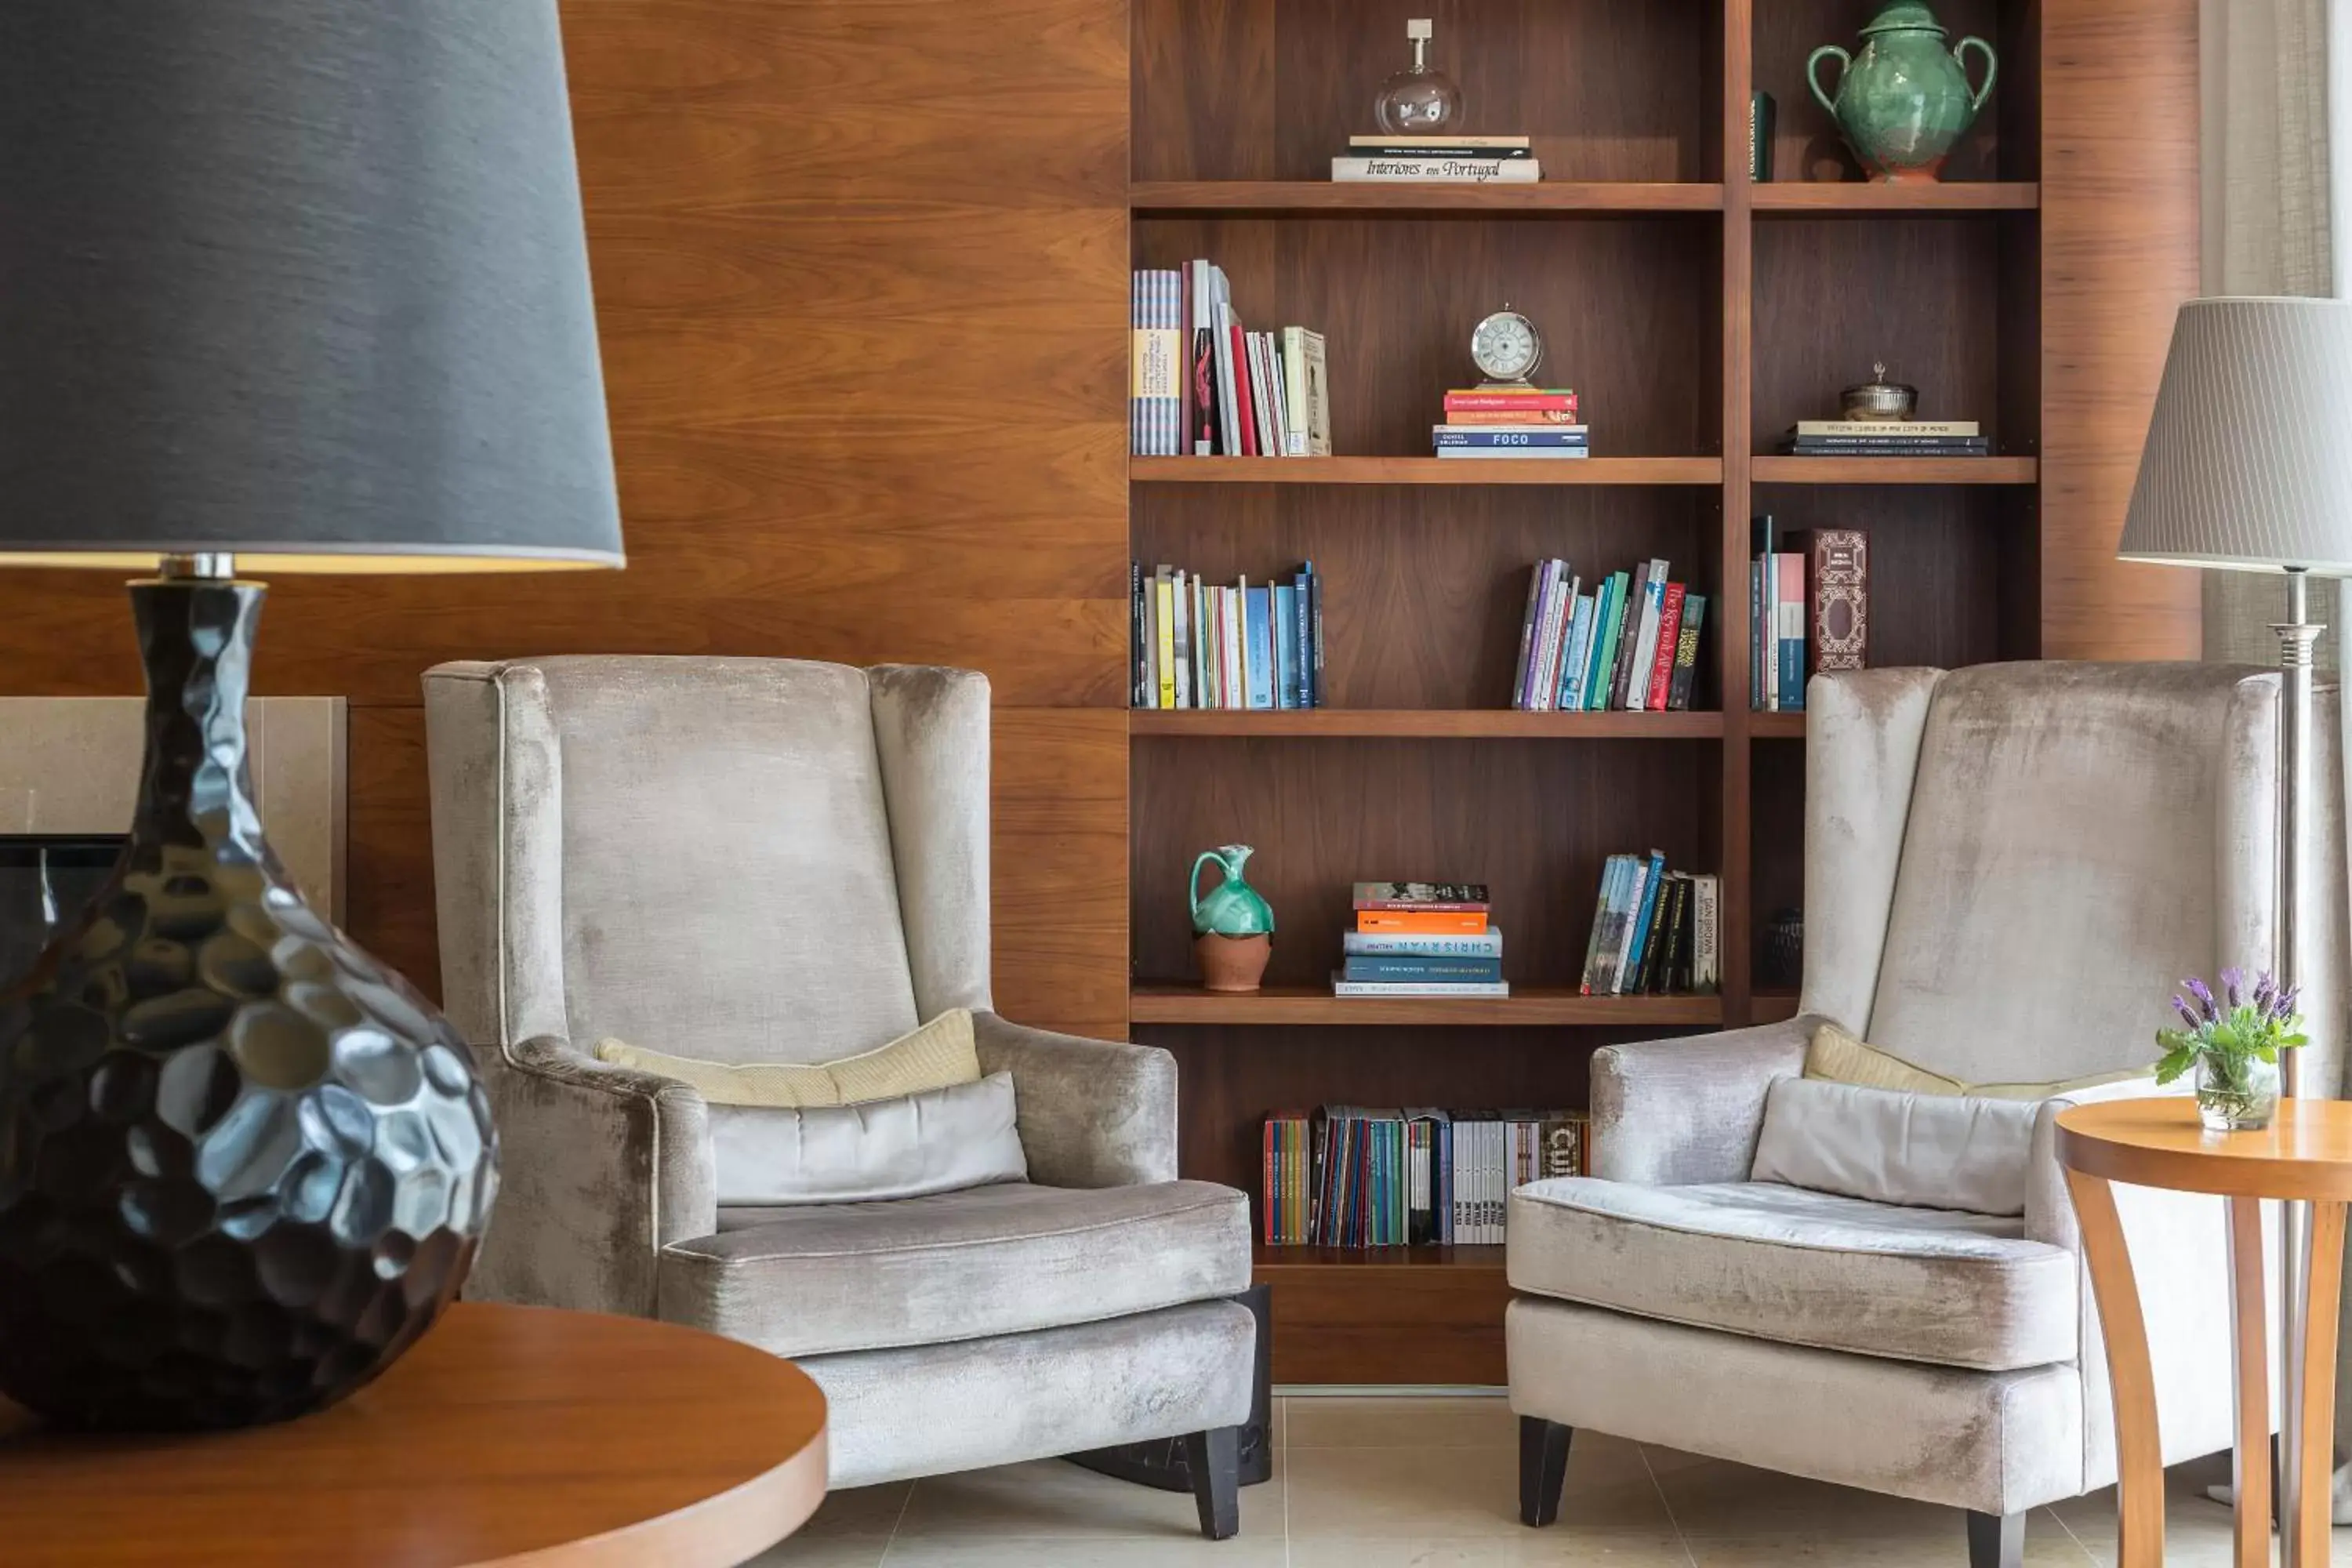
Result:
pixel 939 1054
pixel 1841 1057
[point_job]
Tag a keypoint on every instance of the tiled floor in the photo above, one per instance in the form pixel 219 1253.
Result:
pixel 1432 1483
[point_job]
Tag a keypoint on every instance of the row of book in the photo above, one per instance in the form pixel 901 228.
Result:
pixel 1655 931
pixel 1421 938
pixel 1252 646
pixel 1353 1176
pixel 1206 385
pixel 1630 644
pixel 1809 611
pixel 1433 157
pixel 1885 438
pixel 1506 421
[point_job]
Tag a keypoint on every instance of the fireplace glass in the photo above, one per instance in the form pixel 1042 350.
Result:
pixel 45 879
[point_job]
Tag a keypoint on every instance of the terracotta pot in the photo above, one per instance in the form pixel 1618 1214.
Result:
pixel 1232 962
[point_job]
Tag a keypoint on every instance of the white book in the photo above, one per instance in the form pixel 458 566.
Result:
pixel 1705 940
pixel 1343 987
pixel 1437 170
pixel 1646 637
pixel 1493 1182
pixel 1150 694
pixel 1221 348
pixel 1885 428
pixel 1523 694
pixel 1306 397
pixel 1183 641
pixel 1769 617
pixel 1548 639
pixel 1277 396
pixel 1236 689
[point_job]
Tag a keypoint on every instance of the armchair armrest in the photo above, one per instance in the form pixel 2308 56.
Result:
pixel 1677 1112
pixel 1091 1113
pixel 600 1168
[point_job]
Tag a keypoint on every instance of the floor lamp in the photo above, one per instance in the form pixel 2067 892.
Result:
pixel 2248 468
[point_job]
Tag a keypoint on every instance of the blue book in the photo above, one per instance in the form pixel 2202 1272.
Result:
pixel 1757 642
pixel 1285 647
pixel 1487 943
pixel 1607 621
pixel 1580 645
pixel 1642 917
pixel 1400 966
pixel 1258 614
pixel 1302 615
pixel 1530 435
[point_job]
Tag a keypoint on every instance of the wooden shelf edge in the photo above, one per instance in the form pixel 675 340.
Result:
pixel 1433 723
pixel 1267 1258
pixel 1426 472
pixel 1777 726
pixel 1772 1006
pixel 1825 197
pixel 1788 470
pixel 1565 197
pixel 1165 1004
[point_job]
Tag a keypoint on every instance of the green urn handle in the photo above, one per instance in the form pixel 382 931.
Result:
pixel 1233 907
pixel 1905 100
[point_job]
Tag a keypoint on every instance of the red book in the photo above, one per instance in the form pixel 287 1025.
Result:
pixel 1499 402
pixel 1662 668
pixel 1241 393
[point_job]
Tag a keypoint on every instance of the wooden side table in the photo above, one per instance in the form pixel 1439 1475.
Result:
pixel 2305 1154
pixel 509 1434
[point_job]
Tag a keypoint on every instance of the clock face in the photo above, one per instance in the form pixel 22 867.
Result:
pixel 1505 346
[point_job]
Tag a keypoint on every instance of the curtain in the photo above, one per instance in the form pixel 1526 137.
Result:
pixel 2264 189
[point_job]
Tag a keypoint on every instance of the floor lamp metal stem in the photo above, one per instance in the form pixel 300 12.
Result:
pixel 2296 634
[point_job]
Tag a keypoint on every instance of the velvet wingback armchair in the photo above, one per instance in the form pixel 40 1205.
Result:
pixel 2008 870
pixel 774 861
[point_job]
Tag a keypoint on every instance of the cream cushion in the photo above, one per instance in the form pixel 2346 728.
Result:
pixel 935 1055
pixel 1842 1057
pixel 1802 1268
pixel 940 1140
pixel 1924 1150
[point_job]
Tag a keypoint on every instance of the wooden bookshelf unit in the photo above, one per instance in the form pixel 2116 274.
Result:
pixel 1699 315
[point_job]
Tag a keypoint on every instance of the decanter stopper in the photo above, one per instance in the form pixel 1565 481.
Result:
pixel 1419 97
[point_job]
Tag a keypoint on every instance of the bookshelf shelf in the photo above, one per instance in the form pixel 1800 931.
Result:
pixel 1565 199
pixel 1427 471
pixel 1777 726
pixel 1772 1006
pixel 1783 470
pixel 1856 198
pixel 1430 723
pixel 1376 1257
pixel 1536 1004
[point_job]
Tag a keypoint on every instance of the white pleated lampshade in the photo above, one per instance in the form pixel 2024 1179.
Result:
pixel 2249 457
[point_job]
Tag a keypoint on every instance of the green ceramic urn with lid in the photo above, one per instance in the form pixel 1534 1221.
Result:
pixel 1904 101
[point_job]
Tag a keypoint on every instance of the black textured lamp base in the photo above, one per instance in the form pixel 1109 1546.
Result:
pixel 1163 1463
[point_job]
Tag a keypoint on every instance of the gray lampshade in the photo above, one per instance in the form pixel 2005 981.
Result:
pixel 299 279
pixel 2249 457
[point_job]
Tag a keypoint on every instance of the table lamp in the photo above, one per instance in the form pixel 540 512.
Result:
pixel 2248 468
pixel 284 287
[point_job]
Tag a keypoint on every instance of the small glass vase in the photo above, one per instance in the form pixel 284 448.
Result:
pixel 2236 1094
pixel 1420 99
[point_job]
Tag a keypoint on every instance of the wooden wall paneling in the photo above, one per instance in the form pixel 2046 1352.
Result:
pixel 2119 252
pixel 1059 859
pixel 1424 593
pixel 1532 819
pixel 1396 301
pixel 389 847
pixel 1428 1316
pixel 1204 91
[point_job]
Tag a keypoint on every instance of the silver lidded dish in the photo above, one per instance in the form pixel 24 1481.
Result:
pixel 1878 398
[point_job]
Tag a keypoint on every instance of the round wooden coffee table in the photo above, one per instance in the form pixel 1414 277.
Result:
pixel 509 1434
pixel 2305 1155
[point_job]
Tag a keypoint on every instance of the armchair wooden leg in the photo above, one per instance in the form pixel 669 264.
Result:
pixel 1214 1460
pixel 1996 1539
pixel 1543 1468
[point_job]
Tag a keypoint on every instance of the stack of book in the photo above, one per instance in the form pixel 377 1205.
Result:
pixel 1885 438
pixel 1195 644
pixel 1450 160
pixel 1348 1176
pixel 1809 611
pixel 1206 385
pixel 1512 422
pixel 1422 939
pixel 1632 643
pixel 1655 931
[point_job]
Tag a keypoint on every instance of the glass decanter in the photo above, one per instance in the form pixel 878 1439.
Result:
pixel 1421 98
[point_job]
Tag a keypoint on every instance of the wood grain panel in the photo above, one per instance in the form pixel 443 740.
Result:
pixel 861 283
pixel 2118 255
pixel 1390 1317
pixel 1531 819
pixel 1397 299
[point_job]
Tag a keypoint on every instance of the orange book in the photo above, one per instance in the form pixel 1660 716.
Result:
pixel 1423 923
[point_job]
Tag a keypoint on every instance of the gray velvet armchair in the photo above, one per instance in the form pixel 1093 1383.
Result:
pixel 775 860
pixel 2007 870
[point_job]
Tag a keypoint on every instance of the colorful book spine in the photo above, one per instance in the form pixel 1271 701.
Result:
pixel 1420 922
pixel 1667 640
pixel 1474 400
pixel 1417 967
pixel 1371 990
pixel 1580 649
pixel 1258 607
pixel 1694 621
pixel 1285 647
pixel 1487 943
pixel 1790 619
pixel 1530 648
pixel 1604 644
pixel 1163 589
pixel 1448 435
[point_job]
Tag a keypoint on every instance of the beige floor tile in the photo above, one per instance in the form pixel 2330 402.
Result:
pixel 1053 1499
pixel 1403 1423
pixel 2046 1547
pixel 1052 1552
pixel 1718 1499
pixel 1451 1493
pixel 824 1551
pixel 860 1510
pixel 1554 1546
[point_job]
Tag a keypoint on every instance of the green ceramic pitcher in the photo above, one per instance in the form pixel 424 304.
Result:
pixel 1233 907
pixel 1904 101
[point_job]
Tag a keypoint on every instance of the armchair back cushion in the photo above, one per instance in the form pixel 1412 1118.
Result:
pixel 1918 1151
pixel 940 1140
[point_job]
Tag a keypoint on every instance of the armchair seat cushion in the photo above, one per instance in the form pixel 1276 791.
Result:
pixel 1002 1259
pixel 1801 1267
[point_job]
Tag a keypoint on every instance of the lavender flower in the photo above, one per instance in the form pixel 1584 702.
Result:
pixel 2198 989
pixel 2188 1014
pixel 2230 980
